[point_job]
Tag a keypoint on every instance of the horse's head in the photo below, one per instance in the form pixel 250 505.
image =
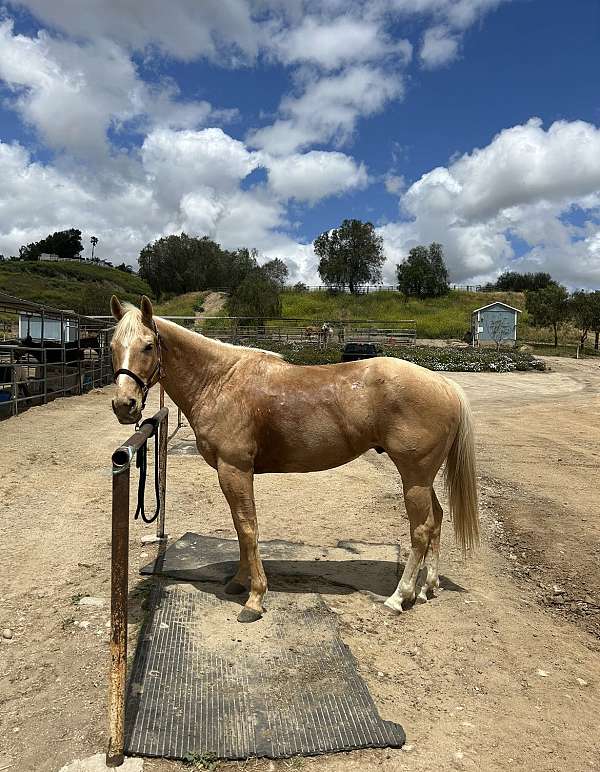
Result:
pixel 135 349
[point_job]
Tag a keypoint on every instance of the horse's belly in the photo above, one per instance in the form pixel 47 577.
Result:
pixel 302 458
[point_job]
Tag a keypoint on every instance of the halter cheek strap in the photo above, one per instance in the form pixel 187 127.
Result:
pixel 146 386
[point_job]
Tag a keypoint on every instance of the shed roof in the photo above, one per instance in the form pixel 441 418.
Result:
pixel 497 303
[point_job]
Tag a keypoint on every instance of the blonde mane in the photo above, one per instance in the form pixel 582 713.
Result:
pixel 131 326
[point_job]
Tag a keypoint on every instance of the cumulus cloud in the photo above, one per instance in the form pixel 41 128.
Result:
pixel 328 110
pixel 315 175
pixel 332 43
pixel 73 94
pixel 180 162
pixel 186 181
pixel 523 184
pixel 184 29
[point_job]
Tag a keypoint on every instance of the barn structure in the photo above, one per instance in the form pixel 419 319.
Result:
pixel 47 353
pixel 495 323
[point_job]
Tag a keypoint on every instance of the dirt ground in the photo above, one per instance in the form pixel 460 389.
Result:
pixel 503 675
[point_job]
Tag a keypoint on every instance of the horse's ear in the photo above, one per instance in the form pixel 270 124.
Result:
pixel 116 308
pixel 146 309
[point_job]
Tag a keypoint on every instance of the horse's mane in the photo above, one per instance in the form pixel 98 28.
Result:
pixel 131 325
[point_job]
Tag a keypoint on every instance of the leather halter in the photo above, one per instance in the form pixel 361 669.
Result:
pixel 152 379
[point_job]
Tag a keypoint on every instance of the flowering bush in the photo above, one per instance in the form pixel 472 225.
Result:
pixel 444 359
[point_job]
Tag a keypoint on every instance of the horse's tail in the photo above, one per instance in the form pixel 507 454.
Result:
pixel 461 482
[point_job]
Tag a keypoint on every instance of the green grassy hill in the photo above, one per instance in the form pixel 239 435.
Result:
pixel 85 288
pixel 446 317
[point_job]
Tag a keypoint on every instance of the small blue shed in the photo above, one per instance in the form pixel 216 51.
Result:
pixel 495 323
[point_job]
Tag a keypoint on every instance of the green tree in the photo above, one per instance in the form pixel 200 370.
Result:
pixel 350 255
pixel 584 310
pixel 181 263
pixel 548 307
pixel 66 244
pixel 276 270
pixel 423 274
pixel 512 281
pixel 258 296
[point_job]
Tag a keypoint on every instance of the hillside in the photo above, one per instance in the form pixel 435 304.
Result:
pixel 205 303
pixel 446 317
pixel 85 288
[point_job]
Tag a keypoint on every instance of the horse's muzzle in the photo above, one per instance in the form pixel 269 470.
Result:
pixel 127 410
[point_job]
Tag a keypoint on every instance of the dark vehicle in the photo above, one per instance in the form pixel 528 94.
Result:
pixel 354 351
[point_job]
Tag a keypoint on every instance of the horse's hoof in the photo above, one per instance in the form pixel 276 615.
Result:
pixel 393 605
pixel 234 587
pixel 248 615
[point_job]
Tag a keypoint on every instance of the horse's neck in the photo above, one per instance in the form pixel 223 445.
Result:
pixel 192 364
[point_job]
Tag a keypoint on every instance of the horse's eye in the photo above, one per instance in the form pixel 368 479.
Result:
pixel 148 347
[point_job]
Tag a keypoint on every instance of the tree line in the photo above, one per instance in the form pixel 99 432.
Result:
pixel 553 306
pixel 349 256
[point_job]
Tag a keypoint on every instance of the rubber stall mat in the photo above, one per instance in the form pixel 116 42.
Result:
pixel 283 686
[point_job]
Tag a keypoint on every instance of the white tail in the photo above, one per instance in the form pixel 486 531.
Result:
pixel 461 482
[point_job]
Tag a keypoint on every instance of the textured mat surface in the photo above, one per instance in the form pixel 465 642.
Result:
pixel 350 564
pixel 285 685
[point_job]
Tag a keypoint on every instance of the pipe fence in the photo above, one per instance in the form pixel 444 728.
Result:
pixel 304 331
pixel 34 375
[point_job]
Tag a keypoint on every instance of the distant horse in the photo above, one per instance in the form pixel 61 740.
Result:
pixel 252 413
pixel 311 332
pixel 74 350
pixel 325 335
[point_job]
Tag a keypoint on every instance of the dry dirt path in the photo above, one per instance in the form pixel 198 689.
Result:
pixel 503 676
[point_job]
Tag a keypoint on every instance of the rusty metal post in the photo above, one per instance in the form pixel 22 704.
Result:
pixel 121 464
pixel 14 383
pixel 118 616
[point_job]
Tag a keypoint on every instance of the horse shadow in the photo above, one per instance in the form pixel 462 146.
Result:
pixel 375 578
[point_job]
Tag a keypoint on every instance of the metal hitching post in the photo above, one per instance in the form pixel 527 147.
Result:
pixel 118 615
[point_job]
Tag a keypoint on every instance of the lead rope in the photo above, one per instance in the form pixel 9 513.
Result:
pixel 141 462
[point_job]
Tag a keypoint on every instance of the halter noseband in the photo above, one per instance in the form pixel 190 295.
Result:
pixel 145 387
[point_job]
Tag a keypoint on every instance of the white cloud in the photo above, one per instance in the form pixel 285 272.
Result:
pixel 184 29
pixel 315 175
pixel 523 184
pixel 459 14
pixel 439 47
pixel 180 162
pixel 186 181
pixel 36 200
pixel 339 41
pixel 328 109
pixel 394 183
pixel 73 94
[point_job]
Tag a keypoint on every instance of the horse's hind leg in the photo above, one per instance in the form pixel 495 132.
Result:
pixel 419 506
pixel 237 486
pixel 433 554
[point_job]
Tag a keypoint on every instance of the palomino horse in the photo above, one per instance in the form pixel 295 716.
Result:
pixel 252 413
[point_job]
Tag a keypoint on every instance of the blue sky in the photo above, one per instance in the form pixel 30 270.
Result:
pixel 261 124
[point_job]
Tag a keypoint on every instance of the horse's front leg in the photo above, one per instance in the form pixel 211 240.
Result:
pixel 237 486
